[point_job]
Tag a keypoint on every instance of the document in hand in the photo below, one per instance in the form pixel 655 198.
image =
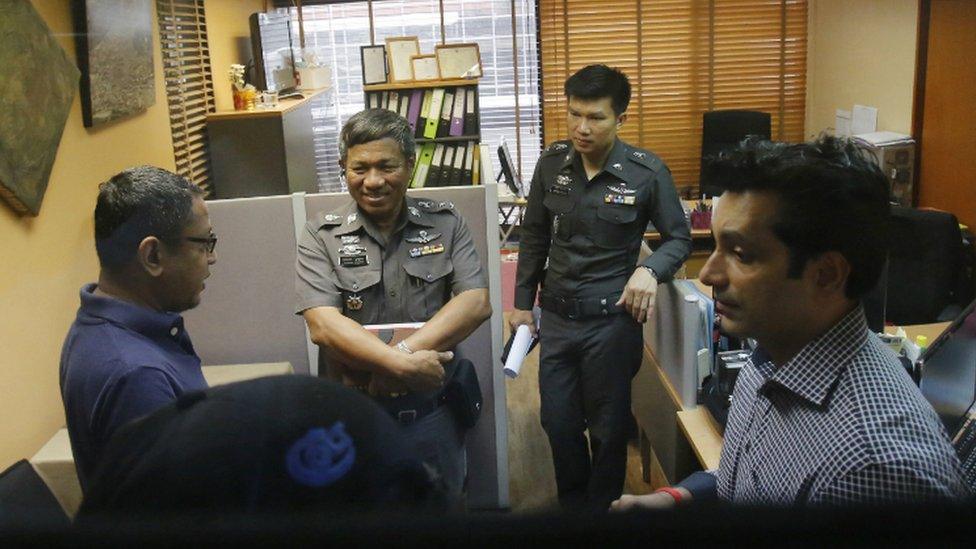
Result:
pixel 519 345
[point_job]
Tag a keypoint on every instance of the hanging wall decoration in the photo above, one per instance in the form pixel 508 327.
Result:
pixel 36 91
pixel 115 54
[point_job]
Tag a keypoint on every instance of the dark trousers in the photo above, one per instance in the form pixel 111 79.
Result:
pixel 585 370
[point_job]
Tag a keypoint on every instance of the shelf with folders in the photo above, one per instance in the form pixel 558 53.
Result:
pixel 444 117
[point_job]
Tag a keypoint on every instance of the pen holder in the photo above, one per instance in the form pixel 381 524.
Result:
pixel 701 220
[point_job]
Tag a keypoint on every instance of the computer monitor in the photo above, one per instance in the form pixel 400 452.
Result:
pixel 948 371
pixel 274 61
pixel 508 171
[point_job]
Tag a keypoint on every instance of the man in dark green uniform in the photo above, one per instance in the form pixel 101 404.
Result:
pixel 385 258
pixel 590 201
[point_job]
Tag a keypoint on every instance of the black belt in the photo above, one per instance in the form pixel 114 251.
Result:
pixel 576 308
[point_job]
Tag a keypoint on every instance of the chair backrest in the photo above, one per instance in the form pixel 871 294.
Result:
pixel 722 130
pixel 25 498
pixel 923 263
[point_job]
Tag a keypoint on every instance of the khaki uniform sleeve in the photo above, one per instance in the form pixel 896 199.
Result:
pixel 468 273
pixel 315 277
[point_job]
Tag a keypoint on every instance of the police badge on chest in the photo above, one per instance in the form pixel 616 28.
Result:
pixel 353 255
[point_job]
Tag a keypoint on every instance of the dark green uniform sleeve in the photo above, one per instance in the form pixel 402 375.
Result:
pixel 534 240
pixel 669 219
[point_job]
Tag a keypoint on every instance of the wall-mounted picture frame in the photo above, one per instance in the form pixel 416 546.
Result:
pixel 459 60
pixel 374 64
pixel 114 44
pixel 399 50
pixel 425 67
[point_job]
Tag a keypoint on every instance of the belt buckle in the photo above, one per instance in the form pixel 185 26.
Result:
pixel 406 417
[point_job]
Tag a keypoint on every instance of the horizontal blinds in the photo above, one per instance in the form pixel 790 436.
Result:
pixel 683 58
pixel 189 84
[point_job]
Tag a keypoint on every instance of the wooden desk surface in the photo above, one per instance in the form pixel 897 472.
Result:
pixel 284 105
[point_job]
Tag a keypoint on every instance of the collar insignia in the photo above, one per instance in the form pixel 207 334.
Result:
pixel 423 237
pixel 639 154
pixel 559 146
pixel 446 204
pixel 413 211
pixel 351 218
pixel 425 203
pixel 329 218
pixel 618 167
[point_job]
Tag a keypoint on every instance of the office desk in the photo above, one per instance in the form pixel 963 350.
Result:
pixel 704 434
pixel 55 463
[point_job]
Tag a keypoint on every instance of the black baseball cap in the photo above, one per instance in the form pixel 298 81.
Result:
pixel 274 444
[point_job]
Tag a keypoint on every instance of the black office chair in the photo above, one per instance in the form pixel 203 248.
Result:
pixel 723 130
pixel 924 263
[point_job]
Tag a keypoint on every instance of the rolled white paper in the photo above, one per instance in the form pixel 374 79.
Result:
pixel 520 346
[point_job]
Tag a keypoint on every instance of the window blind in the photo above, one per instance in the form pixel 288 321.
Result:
pixel 189 84
pixel 683 58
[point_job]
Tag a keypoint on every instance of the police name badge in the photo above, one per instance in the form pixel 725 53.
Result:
pixel 429 249
pixel 353 255
pixel 354 302
pixel 622 189
pixel 619 199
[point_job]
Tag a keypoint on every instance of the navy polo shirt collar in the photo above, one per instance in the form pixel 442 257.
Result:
pixel 153 324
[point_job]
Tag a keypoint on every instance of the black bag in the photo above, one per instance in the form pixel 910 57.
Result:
pixel 462 394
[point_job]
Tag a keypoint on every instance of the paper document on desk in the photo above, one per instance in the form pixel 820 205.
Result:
pixel 519 345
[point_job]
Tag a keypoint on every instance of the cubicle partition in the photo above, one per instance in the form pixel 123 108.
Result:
pixel 247 311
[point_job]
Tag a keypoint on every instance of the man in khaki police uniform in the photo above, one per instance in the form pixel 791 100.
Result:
pixel 386 258
pixel 590 201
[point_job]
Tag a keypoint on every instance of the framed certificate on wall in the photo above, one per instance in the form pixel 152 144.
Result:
pixel 399 50
pixel 425 67
pixel 374 64
pixel 458 60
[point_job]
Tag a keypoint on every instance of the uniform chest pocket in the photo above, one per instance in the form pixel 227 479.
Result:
pixel 429 282
pixel 361 295
pixel 558 203
pixel 615 226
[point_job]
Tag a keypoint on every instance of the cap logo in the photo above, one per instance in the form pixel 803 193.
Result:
pixel 321 457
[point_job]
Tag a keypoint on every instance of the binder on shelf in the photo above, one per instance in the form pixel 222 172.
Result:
pixel 444 125
pixel 457 115
pixel 413 112
pixel 385 100
pixel 436 167
pixel 468 163
pixel 394 103
pixel 423 166
pixel 457 168
pixel 403 108
pixel 433 113
pixel 470 112
pixel 476 166
pixel 424 112
pixel 374 100
pixel 447 172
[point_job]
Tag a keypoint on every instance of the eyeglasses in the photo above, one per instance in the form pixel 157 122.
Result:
pixel 210 241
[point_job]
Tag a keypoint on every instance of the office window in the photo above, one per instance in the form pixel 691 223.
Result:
pixel 189 84
pixel 683 57
pixel 335 31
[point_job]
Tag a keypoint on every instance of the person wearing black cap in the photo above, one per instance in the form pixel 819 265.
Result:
pixel 127 352
pixel 388 258
pixel 270 446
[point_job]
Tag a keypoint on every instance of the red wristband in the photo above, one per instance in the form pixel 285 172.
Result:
pixel 673 492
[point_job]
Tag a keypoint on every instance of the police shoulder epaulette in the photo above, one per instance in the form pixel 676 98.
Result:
pixel 644 158
pixel 559 147
pixel 434 206
pixel 330 219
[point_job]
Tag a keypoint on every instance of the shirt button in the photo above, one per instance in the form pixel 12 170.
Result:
pixel 174 331
pixel 430 276
pixel 355 286
pixel 392 293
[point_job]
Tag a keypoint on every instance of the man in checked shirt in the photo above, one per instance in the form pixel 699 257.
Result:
pixel 823 413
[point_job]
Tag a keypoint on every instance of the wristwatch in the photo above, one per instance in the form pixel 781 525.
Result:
pixel 404 348
pixel 650 270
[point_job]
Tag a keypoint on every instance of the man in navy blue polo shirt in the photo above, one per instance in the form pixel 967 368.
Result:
pixel 127 352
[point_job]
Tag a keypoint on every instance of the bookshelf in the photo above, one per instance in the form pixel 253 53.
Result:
pixel 447 128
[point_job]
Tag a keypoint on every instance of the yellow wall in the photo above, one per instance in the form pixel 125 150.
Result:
pixel 861 52
pixel 45 260
pixel 229 39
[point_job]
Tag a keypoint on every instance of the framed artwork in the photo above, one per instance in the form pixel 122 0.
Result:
pixel 42 85
pixel 115 54
pixel 425 67
pixel 374 64
pixel 458 60
pixel 399 50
